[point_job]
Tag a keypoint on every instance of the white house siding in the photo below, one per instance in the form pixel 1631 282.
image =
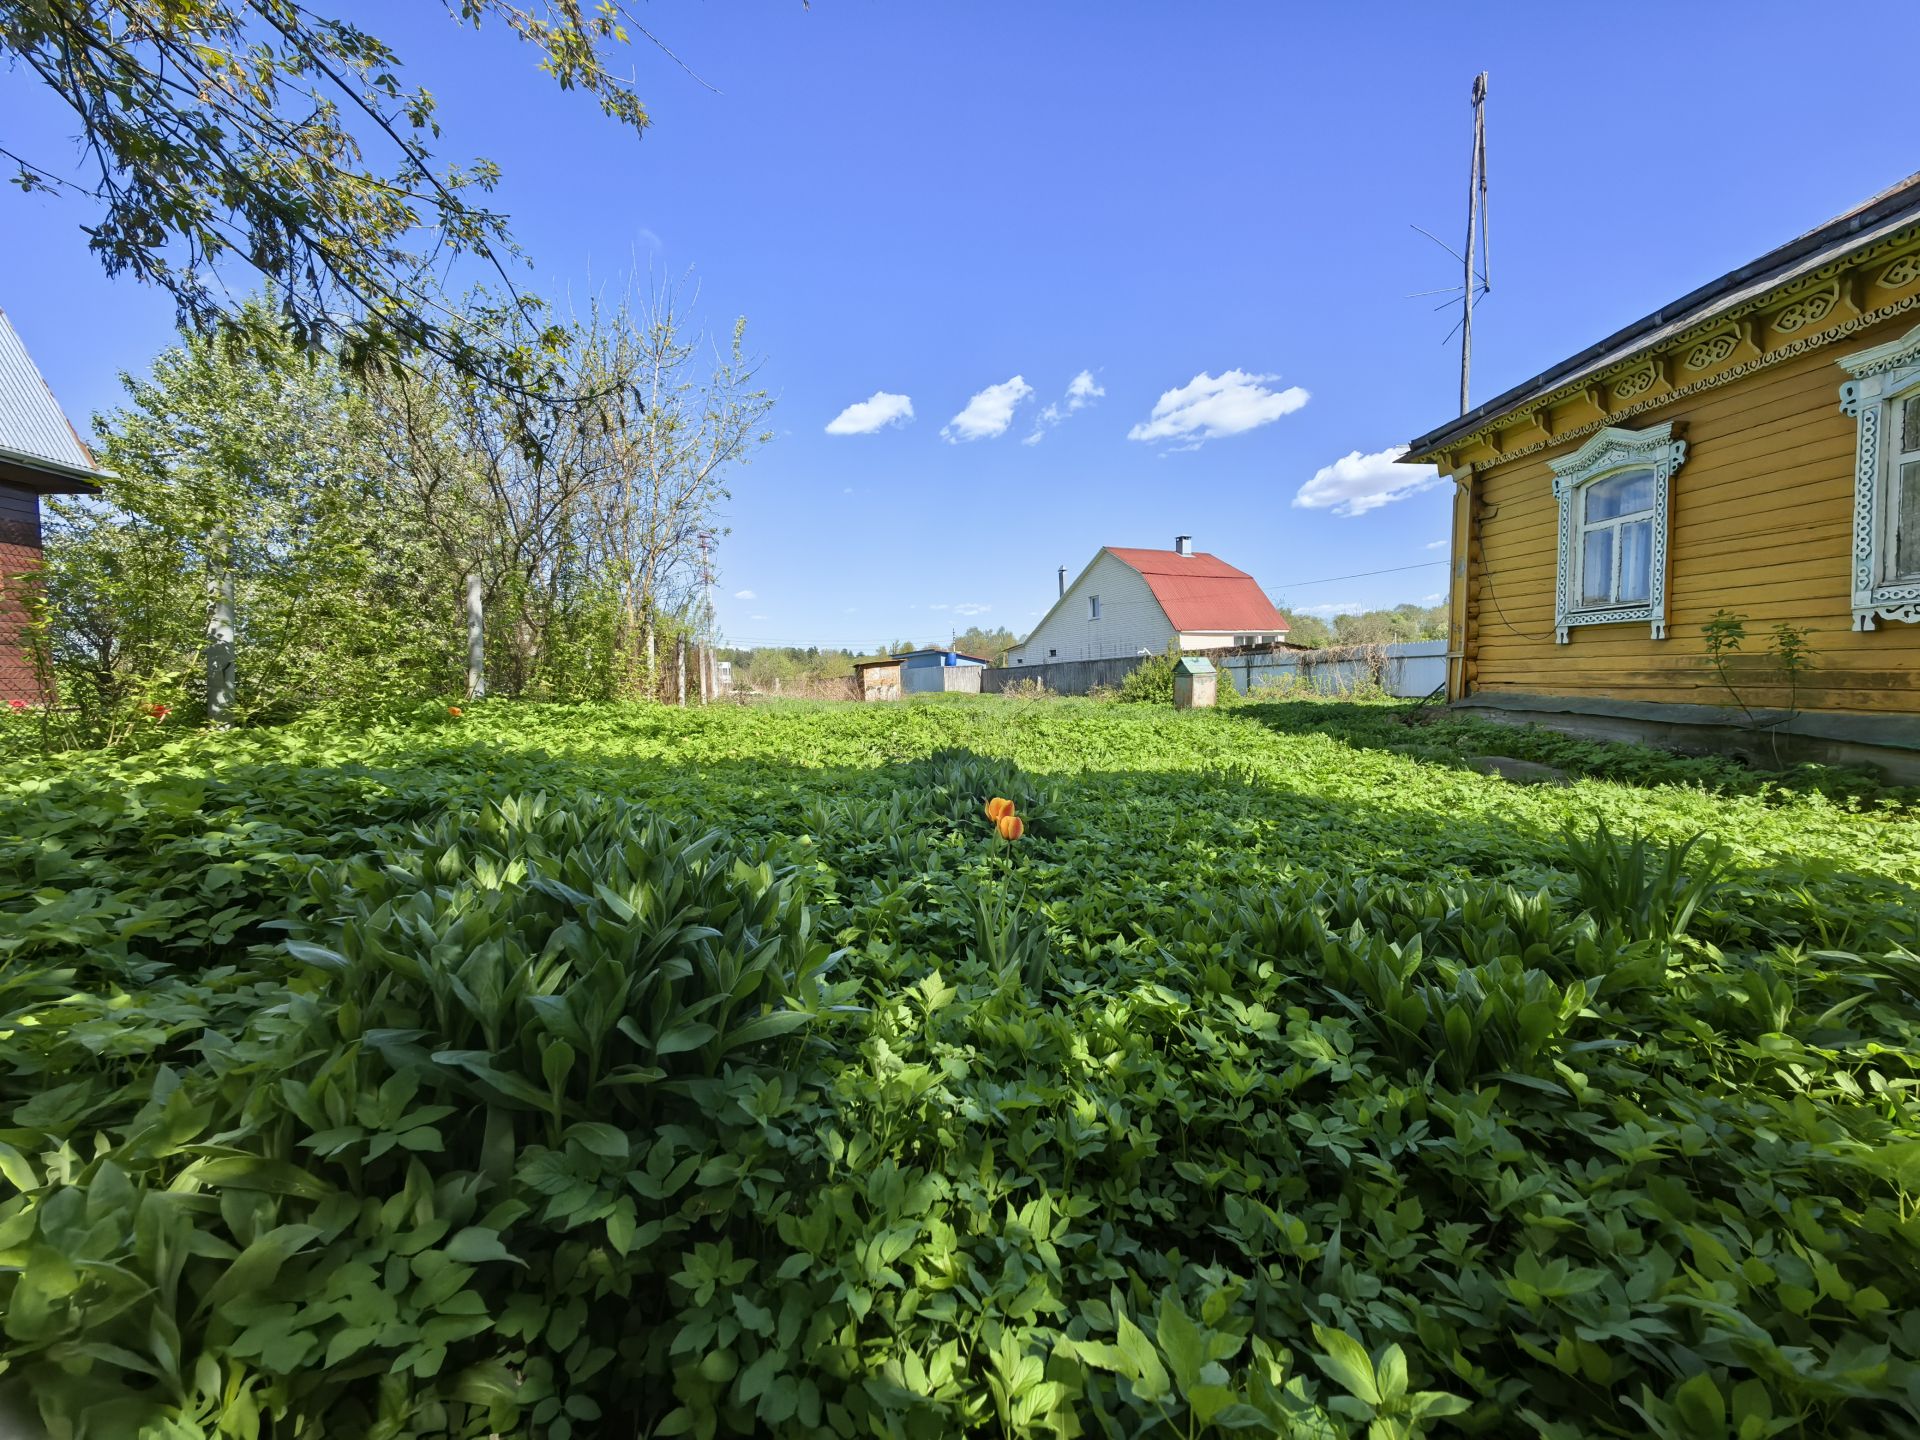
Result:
pixel 1131 620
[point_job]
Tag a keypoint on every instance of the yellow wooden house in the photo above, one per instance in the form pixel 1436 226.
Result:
pixel 1751 449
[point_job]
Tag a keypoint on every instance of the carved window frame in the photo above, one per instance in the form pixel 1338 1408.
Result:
pixel 1608 452
pixel 1881 376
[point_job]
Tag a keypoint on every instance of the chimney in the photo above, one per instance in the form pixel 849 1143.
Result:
pixel 1183 544
pixel 1063 579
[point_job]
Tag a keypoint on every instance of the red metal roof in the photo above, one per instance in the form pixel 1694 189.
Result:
pixel 1201 592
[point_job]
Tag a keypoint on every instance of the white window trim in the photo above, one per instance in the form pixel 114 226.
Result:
pixel 1093 607
pixel 1608 452
pixel 1881 375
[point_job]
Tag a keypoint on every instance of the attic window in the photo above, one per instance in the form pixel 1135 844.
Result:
pixel 1613 529
pixel 1884 400
pixel 1093 607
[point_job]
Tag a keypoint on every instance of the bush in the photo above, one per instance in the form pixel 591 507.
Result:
pixel 1151 681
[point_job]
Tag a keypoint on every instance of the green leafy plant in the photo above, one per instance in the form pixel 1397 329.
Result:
pixel 1789 652
pixel 553 1069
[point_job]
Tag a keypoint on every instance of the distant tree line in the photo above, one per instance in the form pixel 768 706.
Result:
pixel 1368 627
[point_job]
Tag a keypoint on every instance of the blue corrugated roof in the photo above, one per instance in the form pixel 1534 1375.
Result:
pixel 33 429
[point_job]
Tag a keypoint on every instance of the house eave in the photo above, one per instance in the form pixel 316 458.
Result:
pixel 48 477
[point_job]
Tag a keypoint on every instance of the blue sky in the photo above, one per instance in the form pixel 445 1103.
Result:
pixel 1204 210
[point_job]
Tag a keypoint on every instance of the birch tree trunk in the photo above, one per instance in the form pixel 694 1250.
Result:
pixel 476 637
pixel 222 668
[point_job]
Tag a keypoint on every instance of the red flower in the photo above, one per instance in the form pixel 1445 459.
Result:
pixel 159 712
pixel 16 705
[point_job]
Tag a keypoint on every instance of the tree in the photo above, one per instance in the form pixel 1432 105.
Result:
pixel 582 518
pixel 988 644
pixel 257 133
pixel 669 432
pixel 1308 630
pixel 257 473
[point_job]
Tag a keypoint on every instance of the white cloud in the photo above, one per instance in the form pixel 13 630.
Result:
pixel 1433 599
pixel 1208 407
pixel 939 607
pixel 1340 607
pixel 989 413
pixel 1356 483
pixel 971 609
pixel 865 417
pixel 1438 544
pixel 745 595
pixel 1083 390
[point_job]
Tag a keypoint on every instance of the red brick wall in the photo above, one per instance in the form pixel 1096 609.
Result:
pixel 19 559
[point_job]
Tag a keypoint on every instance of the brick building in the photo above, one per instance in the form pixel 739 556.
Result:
pixel 40 454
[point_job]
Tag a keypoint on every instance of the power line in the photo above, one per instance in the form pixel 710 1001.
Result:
pixel 1362 575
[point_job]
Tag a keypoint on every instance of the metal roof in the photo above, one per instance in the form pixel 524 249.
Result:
pixel 1868 221
pixel 1202 593
pixel 35 434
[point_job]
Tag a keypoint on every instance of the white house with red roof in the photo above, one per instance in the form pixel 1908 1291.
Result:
pixel 1129 602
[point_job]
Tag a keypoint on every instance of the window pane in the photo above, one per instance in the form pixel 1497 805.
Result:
pixel 1619 495
pixel 1636 561
pixel 1596 568
pixel 1906 517
pixel 1910 424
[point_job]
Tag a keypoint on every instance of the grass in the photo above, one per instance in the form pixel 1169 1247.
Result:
pixel 719 1071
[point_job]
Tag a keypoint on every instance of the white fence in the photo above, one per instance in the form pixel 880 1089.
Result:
pixel 1409 670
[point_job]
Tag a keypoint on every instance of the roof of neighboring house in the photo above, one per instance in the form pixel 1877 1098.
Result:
pixel 1867 222
pixel 923 650
pixel 39 447
pixel 1201 592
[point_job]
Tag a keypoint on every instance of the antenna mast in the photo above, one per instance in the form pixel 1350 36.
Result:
pixel 1476 232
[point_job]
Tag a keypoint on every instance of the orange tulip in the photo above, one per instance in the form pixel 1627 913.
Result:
pixel 998 808
pixel 1010 826
pixel 454 710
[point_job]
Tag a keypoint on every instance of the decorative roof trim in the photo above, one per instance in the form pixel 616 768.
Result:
pixel 1753 363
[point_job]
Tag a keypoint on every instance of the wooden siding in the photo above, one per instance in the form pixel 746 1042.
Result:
pixel 1761 523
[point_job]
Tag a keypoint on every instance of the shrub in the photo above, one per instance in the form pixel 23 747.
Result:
pixel 1151 681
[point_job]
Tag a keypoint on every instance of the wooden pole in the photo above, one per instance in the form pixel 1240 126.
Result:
pixel 476 638
pixel 222 666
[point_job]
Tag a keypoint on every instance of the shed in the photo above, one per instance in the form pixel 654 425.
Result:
pixel 1195 683
pixel 928 670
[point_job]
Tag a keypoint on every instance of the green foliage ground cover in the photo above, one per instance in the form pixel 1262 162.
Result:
pixel 576 1071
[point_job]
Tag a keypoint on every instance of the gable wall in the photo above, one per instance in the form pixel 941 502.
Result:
pixel 1130 619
